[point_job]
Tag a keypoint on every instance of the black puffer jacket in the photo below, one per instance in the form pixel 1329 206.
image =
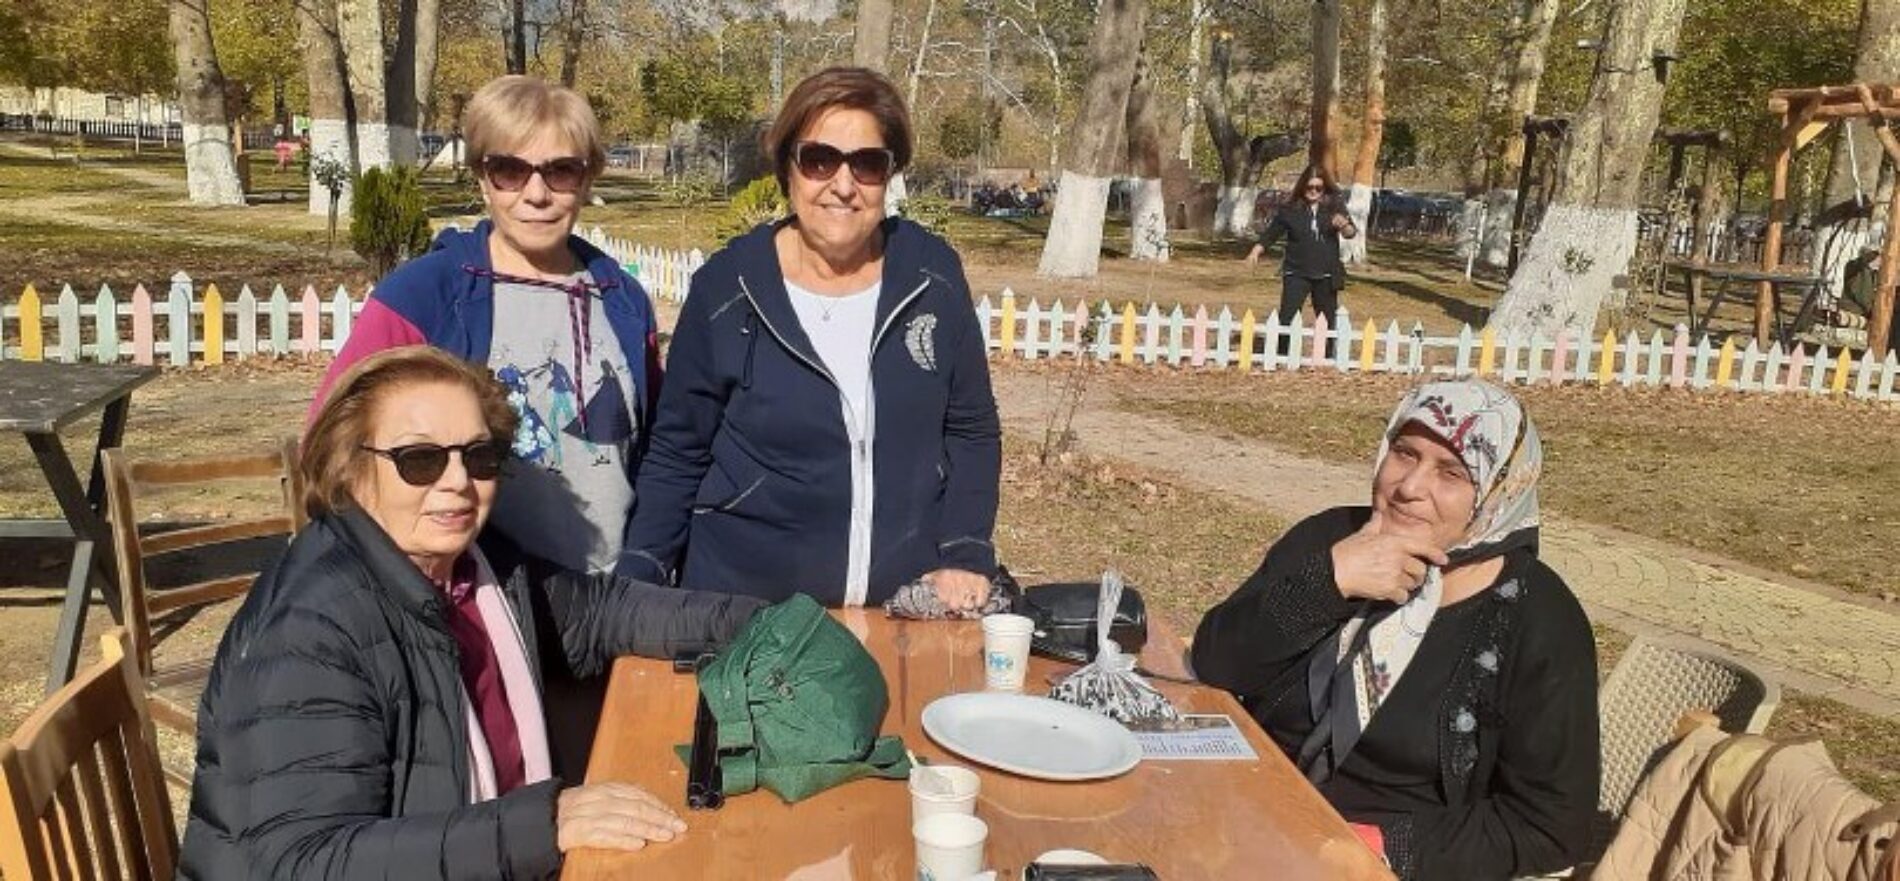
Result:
pixel 331 737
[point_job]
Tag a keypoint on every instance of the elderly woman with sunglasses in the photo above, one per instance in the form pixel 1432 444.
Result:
pixel 375 709
pixel 564 327
pixel 827 425
pixel 1415 658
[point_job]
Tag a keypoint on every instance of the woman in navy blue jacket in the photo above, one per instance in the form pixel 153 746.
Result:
pixel 827 425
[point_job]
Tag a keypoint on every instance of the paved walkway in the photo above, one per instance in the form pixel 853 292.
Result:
pixel 1807 636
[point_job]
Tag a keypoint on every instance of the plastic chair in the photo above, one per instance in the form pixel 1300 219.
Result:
pixel 231 552
pixel 81 789
pixel 1651 688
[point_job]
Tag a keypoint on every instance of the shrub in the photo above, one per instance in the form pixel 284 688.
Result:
pixel 759 202
pixel 389 219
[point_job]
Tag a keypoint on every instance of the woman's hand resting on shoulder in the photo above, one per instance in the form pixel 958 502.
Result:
pixel 1371 564
pixel 615 816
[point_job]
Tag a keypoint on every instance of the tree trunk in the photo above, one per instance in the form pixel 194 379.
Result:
pixel 516 36
pixel 1191 108
pixel 1582 248
pixel 1241 158
pixel 428 33
pixel 1148 209
pixel 210 166
pixel 1073 247
pixel 1847 224
pixel 871 46
pixel 572 30
pixel 1323 149
pixel 360 28
pixel 923 50
pixel 1527 75
pixel 400 80
pixel 1365 166
pixel 330 134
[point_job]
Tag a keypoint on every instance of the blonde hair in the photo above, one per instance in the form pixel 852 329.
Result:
pixel 511 110
pixel 333 454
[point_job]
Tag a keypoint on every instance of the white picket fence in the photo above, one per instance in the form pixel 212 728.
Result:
pixel 187 325
pixel 1224 341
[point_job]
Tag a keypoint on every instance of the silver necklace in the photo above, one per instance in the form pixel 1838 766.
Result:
pixel 825 305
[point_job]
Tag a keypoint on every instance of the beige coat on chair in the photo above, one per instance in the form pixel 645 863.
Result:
pixel 1745 808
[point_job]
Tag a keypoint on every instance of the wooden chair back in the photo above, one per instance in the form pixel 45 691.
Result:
pixel 128 481
pixel 80 784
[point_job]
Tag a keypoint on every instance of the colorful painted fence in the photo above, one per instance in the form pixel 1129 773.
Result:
pixel 1223 341
pixel 209 326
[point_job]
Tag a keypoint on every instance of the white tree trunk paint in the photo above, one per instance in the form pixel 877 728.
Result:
pixel 896 193
pixel 211 176
pixel 329 138
pixel 1074 246
pixel 1837 243
pixel 1233 214
pixel 1495 250
pixel 372 145
pixel 405 148
pixel 1359 208
pixel 1148 221
pixel 1578 254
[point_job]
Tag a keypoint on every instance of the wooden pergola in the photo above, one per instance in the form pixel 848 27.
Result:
pixel 1805 115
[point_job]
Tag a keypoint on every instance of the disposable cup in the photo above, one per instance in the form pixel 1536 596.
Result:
pixel 942 789
pixel 949 847
pixel 1006 651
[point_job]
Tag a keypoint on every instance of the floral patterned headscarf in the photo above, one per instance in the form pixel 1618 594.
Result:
pixel 1350 676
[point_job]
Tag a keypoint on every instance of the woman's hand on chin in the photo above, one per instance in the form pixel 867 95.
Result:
pixel 1371 564
pixel 615 816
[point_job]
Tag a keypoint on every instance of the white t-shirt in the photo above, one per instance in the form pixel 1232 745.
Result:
pixel 840 329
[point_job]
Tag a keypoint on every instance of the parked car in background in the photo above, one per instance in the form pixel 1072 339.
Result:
pixel 620 157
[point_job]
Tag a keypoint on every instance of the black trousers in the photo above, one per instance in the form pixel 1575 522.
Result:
pixel 1294 291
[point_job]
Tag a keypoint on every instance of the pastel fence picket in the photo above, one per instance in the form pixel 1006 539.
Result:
pixel 1217 339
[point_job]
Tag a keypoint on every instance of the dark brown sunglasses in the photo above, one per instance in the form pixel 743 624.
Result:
pixel 510 173
pixel 423 464
pixel 870 166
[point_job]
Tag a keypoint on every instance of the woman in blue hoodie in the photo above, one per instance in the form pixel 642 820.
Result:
pixel 558 321
pixel 827 425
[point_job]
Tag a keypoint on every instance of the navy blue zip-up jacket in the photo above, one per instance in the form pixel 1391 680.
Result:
pixel 746 486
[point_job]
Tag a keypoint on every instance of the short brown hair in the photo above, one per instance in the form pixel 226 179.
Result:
pixel 511 110
pixel 858 88
pixel 333 454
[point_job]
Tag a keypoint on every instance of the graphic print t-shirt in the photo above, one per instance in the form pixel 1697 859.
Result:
pixel 566 495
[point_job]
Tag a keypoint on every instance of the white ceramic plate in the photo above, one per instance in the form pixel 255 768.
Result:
pixel 1032 736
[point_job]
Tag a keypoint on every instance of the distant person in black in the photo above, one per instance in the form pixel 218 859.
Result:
pixel 1312 221
pixel 1418 662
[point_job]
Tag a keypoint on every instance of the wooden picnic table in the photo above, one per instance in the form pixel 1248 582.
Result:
pixel 1184 819
pixel 38 399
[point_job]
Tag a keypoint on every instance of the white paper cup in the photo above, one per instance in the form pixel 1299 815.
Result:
pixel 1006 651
pixel 962 785
pixel 949 847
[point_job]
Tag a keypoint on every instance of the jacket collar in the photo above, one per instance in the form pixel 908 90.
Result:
pixel 904 277
pixel 393 571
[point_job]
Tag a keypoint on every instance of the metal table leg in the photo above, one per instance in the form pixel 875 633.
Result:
pixel 92 558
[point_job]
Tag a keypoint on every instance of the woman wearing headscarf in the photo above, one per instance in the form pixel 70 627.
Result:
pixel 1415 658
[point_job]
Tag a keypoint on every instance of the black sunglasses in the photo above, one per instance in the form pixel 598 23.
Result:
pixel 423 464
pixel 508 173
pixel 870 166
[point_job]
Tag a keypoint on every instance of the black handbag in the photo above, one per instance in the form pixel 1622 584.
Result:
pixel 1065 617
